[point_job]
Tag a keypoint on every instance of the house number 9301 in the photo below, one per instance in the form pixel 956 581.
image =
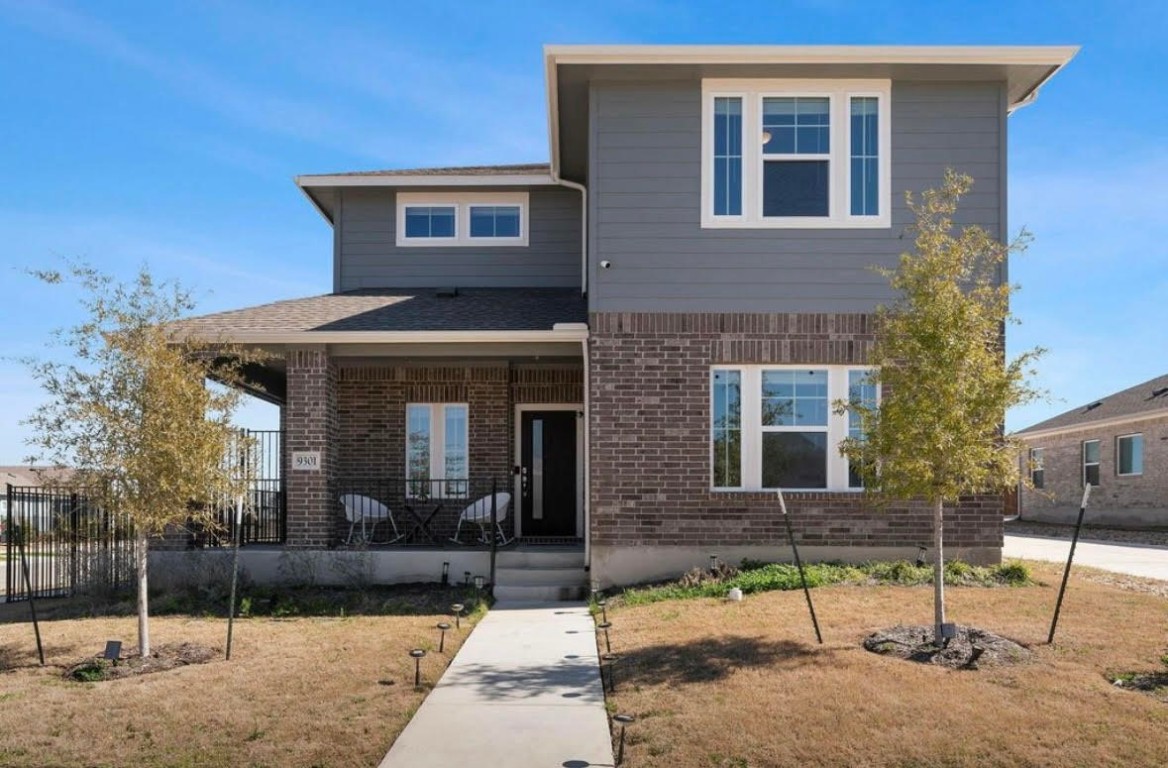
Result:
pixel 306 461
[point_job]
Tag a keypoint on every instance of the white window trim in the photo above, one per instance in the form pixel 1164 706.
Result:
pixel 840 92
pixel 1118 456
pixel 752 428
pixel 1037 463
pixel 437 441
pixel 1083 464
pixel 462 202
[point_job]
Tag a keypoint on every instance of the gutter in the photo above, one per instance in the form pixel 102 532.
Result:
pixel 561 332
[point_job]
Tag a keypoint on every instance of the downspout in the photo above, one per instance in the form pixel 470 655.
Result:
pixel 584 349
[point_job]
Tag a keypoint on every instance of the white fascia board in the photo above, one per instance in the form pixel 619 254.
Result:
pixel 1029 436
pixel 569 334
pixel 502 180
pixel 810 54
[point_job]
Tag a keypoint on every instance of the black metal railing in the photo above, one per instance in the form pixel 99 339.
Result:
pixel 263 518
pixel 67 543
pixel 476 511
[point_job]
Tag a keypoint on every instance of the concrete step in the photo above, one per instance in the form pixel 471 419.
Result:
pixel 548 558
pixel 542 577
pixel 539 594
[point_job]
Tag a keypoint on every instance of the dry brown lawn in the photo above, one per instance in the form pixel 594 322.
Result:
pixel 297 692
pixel 729 685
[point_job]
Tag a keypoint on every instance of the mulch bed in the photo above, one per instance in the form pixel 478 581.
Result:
pixel 129 664
pixel 1154 684
pixel 915 643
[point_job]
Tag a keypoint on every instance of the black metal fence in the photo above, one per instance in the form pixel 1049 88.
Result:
pixel 68 544
pixel 431 512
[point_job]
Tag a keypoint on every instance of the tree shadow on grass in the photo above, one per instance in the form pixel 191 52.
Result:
pixel 711 659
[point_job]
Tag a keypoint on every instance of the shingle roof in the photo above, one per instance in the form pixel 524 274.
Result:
pixel 33 475
pixel 413 309
pixel 521 169
pixel 1151 397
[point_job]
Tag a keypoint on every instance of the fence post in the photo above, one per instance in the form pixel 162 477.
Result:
pixel 9 569
pixel 494 529
pixel 74 536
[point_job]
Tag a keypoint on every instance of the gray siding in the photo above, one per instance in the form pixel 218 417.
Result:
pixel 645 173
pixel 367 256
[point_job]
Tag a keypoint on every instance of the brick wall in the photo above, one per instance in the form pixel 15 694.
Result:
pixel 310 418
pixel 1140 500
pixel 650 423
pixel 371 412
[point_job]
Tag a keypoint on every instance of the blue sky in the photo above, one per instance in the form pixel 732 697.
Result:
pixel 168 134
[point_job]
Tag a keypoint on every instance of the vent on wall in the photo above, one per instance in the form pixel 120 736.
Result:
pixel 1160 391
pixel 1093 405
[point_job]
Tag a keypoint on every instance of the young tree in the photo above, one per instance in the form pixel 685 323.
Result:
pixel 133 414
pixel 937 433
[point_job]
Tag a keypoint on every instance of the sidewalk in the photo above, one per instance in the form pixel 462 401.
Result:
pixel 524 690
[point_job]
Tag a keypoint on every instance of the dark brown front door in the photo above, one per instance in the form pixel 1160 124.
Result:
pixel 548 473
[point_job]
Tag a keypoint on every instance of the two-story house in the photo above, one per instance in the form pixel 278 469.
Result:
pixel 641 339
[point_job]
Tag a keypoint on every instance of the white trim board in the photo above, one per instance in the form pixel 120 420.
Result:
pixel 425 180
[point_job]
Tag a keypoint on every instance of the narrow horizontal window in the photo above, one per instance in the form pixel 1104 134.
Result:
pixel 426 221
pixel 494 221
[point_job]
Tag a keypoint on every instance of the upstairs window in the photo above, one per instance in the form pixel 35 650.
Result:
pixel 479 219
pixel 1129 452
pixel 796 153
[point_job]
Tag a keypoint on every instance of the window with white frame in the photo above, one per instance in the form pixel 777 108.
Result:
pixel 1090 462
pixel 862 391
pixel 462 219
pixel 436 449
pixel 796 153
pixel 1129 453
pixel 1037 468
pixel 773 426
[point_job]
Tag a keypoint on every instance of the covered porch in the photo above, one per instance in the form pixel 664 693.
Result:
pixel 410 419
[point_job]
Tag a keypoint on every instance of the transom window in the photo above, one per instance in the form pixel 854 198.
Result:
pixel 1090 462
pixel 436 449
pixel 796 153
pixel 773 426
pixel 1129 452
pixel 462 219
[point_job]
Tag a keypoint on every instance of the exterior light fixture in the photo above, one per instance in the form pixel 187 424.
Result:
pixel 417 653
pixel 606 626
pixel 442 627
pixel 713 563
pixel 456 609
pixel 446 573
pixel 766 137
pixel 922 551
pixel 603 609
pixel 466 578
pixel 608 661
pixel 478 582
pixel 623 720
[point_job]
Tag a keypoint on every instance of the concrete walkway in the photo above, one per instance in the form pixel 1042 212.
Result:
pixel 524 690
pixel 1132 559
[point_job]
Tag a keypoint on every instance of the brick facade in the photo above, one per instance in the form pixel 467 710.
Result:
pixel 650 433
pixel 1136 500
pixel 310 421
pixel 359 408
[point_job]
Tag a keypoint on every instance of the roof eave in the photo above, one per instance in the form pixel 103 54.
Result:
pixel 424 180
pixel 1114 421
pixel 562 332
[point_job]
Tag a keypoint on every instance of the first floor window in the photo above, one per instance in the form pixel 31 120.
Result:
pixel 436 449
pixel 862 391
pixel 773 426
pixel 1129 451
pixel 1090 462
pixel 1037 469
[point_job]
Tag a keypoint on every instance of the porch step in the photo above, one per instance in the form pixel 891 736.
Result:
pixel 552 557
pixel 540 594
pixel 542 577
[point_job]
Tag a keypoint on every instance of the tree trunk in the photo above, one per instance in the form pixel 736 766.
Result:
pixel 142 551
pixel 938 572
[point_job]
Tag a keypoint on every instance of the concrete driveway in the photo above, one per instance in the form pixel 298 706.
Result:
pixel 1132 559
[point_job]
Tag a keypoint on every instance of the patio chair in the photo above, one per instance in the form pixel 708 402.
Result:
pixel 360 508
pixel 479 513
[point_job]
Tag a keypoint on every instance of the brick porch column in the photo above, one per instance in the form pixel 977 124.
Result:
pixel 310 421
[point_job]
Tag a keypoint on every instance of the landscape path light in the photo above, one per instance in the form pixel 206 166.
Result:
pixel 456 609
pixel 446 573
pixel 606 626
pixel 442 627
pixel 417 653
pixel 603 609
pixel 609 662
pixel 623 720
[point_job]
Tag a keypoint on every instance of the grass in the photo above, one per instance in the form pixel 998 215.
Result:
pixel 753 578
pixel 302 688
pixel 716 684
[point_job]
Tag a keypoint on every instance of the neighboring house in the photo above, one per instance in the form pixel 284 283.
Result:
pixel 643 338
pixel 1118 444
pixel 24 479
